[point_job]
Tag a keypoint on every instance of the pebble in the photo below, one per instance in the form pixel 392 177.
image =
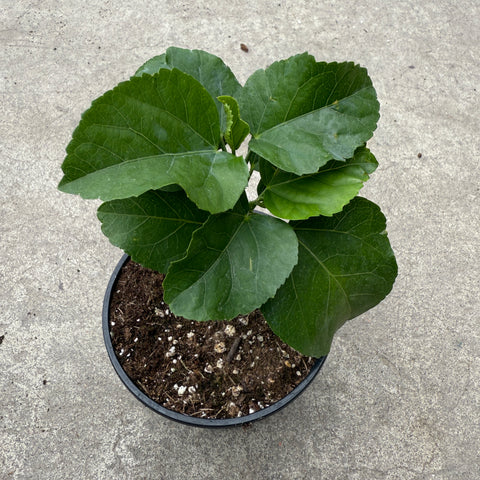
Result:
pixel 220 347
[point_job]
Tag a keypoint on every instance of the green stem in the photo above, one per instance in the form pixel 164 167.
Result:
pixel 257 202
pixel 222 144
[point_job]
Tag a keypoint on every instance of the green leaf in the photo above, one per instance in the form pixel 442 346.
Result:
pixel 150 132
pixel 326 192
pixel 154 65
pixel 208 69
pixel 237 129
pixel 155 228
pixel 235 262
pixel 303 113
pixel 345 267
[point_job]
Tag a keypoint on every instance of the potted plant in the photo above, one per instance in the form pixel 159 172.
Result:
pixel 161 151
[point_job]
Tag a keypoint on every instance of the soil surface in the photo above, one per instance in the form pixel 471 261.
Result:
pixel 217 369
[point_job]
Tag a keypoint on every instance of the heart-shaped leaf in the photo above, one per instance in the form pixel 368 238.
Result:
pixel 234 263
pixel 150 132
pixel 345 267
pixel 326 192
pixel 303 113
pixel 155 228
pixel 208 69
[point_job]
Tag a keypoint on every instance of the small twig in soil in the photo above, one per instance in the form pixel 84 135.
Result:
pixel 219 411
pixel 184 366
pixel 233 349
pixel 202 410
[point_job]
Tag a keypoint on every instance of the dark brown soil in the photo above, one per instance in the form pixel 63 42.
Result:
pixel 205 369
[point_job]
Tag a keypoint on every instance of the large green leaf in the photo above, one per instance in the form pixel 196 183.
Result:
pixel 155 228
pixel 326 192
pixel 150 132
pixel 345 267
pixel 235 262
pixel 303 113
pixel 208 69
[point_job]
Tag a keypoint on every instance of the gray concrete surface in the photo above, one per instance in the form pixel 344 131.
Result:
pixel 399 397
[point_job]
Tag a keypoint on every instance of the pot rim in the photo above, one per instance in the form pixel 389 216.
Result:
pixel 181 417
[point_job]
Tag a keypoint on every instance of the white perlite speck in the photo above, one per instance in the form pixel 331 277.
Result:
pixel 236 390
pixel 230 330
pixel 182 390
pixel 208 368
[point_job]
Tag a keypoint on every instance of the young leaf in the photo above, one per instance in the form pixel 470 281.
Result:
pixel 303 113
pixel 234 263
pixel 326 192
pixel 345 267
pixel 155 228
pixel 236 129
pixel 208 69
pixel 150 132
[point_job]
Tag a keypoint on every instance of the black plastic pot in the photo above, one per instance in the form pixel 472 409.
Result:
pixel 180 417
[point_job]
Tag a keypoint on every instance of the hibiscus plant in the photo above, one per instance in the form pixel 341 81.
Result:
pixel 160 150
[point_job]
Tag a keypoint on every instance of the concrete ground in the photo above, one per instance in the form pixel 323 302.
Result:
pixel 399 396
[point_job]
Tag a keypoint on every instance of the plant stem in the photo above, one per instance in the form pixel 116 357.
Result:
pixel 257 202
pixel 222 144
